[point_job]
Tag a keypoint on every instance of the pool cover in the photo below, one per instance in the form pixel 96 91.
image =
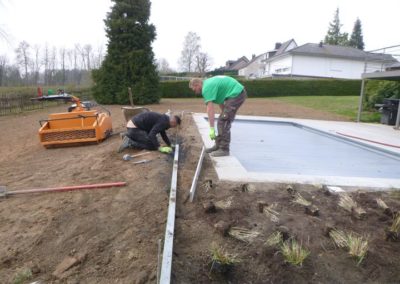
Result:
pixel 290 148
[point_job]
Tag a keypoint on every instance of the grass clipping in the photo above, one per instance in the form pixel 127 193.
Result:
pixel 293 252
pixel 348 204
pixel 356 245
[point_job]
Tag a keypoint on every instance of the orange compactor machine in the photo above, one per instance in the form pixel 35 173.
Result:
pixel 80 125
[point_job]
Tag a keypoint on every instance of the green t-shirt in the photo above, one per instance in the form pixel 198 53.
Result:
pixel 219 88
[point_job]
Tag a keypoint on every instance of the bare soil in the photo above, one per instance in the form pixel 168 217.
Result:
pixel 113 233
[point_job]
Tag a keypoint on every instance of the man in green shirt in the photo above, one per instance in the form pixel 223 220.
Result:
pixel 229 94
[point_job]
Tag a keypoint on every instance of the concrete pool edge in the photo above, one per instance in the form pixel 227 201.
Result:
pixel 230 169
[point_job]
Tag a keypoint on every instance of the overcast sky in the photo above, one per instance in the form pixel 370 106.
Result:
pixel 228 28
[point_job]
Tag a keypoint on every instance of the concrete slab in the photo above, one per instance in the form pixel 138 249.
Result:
pixel 270 149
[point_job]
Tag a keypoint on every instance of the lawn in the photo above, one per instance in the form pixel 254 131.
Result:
pixel 342 105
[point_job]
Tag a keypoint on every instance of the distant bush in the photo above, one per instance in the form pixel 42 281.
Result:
pixel 275 88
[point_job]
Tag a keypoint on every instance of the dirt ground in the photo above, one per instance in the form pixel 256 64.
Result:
pixel 112 234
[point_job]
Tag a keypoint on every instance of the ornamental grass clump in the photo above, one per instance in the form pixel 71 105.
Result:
pixel 293 252
pixel 356 245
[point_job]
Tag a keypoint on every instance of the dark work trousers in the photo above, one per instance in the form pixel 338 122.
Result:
pixel 226 119
pixel 140 138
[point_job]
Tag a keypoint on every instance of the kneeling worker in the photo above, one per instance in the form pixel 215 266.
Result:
pixel 143 129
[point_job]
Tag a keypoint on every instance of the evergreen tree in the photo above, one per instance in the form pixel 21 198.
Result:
pixel 357 39
pixel 129 61
pixel 334 36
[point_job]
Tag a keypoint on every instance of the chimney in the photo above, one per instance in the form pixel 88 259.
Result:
pixel 253 56
pixel 278 45
pixel 321 44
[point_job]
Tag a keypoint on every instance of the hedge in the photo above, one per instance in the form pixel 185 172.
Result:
pixel 275 88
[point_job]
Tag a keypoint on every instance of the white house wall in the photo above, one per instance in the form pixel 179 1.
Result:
pixel 280 66
pixel 327 67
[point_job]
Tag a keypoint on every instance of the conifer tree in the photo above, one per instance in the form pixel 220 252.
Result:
pixel 357 39
pixel 129 61
pixel 334 36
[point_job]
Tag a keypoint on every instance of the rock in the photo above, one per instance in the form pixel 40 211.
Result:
pixel 261 205
pixel 67 263
pixel 142 277
pixel 312 210
pixel 284 231
pixel 35 269
pixel 222 227
pixel 209 207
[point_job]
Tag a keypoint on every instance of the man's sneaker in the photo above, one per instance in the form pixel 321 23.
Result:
pixel 212 149
pixel 126 143
pixel 220 153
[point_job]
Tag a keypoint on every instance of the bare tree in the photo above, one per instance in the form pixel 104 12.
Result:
pixel 203 62
pixel 97 57
pixel 46 64
pixel 62 53
pixel 36 63
pixel 163 66
pixel 3 65
pixel 191 48
pixel 23 57
pixel 87 51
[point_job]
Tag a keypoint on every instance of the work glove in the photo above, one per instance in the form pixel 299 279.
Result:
pixel 212 133
pixel 165 150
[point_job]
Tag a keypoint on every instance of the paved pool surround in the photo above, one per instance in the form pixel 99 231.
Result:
pixel 269 149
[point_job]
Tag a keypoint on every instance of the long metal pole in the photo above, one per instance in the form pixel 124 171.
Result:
pixel 166 267
pixel 361 101
pixel 398 118
pixel 67 188
pixel 196 175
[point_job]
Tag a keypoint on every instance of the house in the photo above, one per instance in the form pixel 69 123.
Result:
pixel 256 67
pixel 321 61
pixel 234 65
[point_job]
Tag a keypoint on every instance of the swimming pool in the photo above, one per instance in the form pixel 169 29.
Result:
pixel 289 150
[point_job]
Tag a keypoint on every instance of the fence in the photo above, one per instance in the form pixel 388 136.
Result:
pixel 17 103
pixel 174 78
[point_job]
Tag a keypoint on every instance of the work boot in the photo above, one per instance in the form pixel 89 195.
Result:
pixel 220 153
pixel 126 143
pixel 212 149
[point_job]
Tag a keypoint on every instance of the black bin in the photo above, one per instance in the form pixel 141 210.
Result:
pixel 389 111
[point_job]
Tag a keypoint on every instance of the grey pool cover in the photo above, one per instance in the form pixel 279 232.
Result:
pixel 287 148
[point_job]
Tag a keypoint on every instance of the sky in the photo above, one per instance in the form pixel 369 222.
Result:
pixel 228 29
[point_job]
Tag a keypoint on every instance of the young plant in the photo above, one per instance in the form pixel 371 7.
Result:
pixel 221 260
pixel 243 234
pixel 293 252
pixel 22 276
pixel 381 204
pixel 339 238
pixel 301 200
pixel 347 203
pixel 395 227
pixel 358 247
pixel 271 213
pixel 274 240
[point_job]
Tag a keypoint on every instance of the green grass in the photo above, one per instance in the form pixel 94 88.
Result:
pixel 346 106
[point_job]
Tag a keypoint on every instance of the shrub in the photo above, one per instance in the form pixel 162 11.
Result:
pixel 376 91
